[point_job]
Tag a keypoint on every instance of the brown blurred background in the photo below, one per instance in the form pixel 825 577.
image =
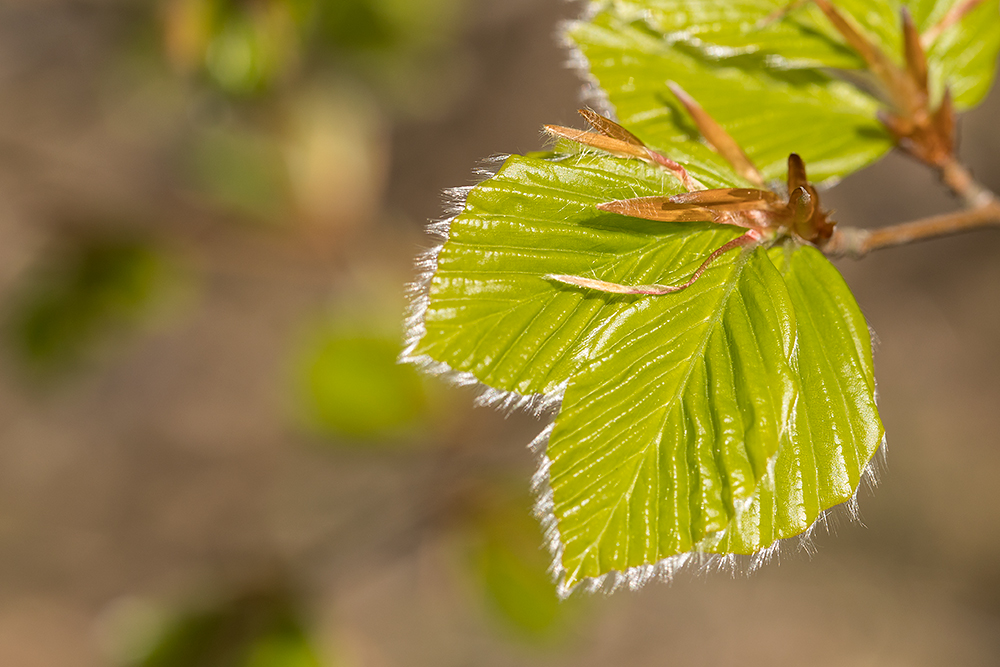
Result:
pixel 208 211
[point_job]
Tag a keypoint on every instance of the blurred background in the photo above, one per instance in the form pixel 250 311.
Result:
pixel 208 456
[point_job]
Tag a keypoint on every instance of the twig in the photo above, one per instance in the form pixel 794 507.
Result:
pixel 854 242
pixel 960 181
pixel 982 210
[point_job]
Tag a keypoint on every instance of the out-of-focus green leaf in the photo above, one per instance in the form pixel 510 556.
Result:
pixel 351 386
pixel 357 24
pixel 81 294
pixel 283 650
pixel 400 51
pixel 403 49
pixel 964 57
pixel 716 419
pixel 260 630
pixel 769 83
pixel 513 570
pixel 387 25
pixel 243 170
pixel 243 47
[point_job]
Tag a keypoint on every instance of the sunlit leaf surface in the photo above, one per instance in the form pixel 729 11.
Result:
pixel 717 419
pixel 770 113
pixel 770 82
pixel 729 415
pixel 965 56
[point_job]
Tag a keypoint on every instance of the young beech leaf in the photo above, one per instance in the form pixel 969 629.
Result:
pixel 796 34
pixel 769 112
pixel 714 420
pixel 784 62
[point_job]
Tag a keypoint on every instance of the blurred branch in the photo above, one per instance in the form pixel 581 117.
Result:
pixel 960 181
pixel 854 242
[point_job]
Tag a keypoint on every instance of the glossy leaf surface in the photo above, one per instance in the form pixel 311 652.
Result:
pixel 965 56
pixel 717 419
pixel 769 112
pixel 770 84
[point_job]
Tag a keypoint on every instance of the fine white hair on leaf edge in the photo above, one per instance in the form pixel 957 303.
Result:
pixel 418 291
pixel 664 570
pixel 592 93
pixel 876 341
pixel 508 401
pixel 634 577
pixel 545 508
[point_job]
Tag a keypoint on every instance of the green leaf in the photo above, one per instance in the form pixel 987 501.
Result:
pixel 242 170
pixel 80 295
pixel 351 387
pixel 965 56
pixel 837 428
pixel 770 84
pixel 717 419
pixel 769 112
pixel 667 430
pixel 261 629
pixel 512 569
pixel 802 39
pixel 491 312
pixel 283 650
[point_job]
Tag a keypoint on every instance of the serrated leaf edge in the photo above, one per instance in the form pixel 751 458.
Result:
pixel 549 403
pixel 591 93
pixel 664 570
pixel 418 300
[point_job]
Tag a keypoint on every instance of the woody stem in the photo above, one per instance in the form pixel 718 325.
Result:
pixel 854 242
pixel 962 184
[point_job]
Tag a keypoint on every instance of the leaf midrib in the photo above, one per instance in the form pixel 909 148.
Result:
pixel 732 281
pixel 737 274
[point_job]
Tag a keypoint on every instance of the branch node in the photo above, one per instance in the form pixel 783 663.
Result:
pixel 848 242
